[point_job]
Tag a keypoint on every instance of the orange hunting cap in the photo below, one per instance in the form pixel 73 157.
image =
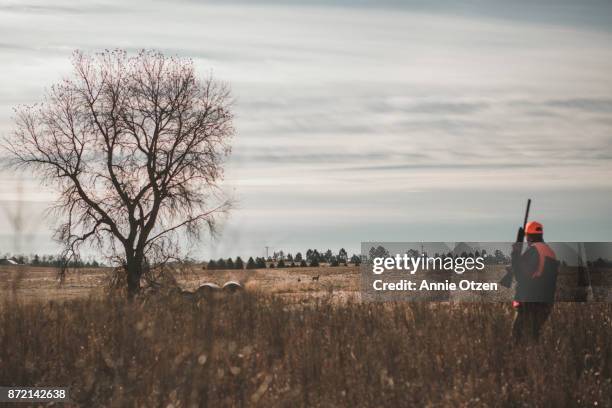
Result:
pixel 534 227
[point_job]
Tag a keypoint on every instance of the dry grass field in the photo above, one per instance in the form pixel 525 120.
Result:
pixel 36 283
pixel 259 348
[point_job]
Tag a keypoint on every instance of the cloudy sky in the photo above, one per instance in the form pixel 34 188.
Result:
pixel 362 120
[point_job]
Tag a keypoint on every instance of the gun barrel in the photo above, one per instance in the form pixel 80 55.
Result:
pixel 527 213
pixel 506 281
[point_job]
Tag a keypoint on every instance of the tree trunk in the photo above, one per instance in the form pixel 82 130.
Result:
pixel 134 269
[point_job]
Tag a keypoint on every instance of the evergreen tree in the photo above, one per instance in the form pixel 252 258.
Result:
pixel 381 252
pixel 413 253
pixel 221 264
pixel 328 256
pixel 251 263
pixel 239 264
pixel 229 264
pixel 211 265
pixel 303 263
pixel 261 263
pixel 500 258
pixel 298 257
pixel 334 261
pixel 281 263
pixel 314 262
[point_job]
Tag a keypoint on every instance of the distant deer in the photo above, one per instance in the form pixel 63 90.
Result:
pixel 316 278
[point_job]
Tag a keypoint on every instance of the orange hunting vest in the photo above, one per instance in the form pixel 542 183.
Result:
pixel 544 252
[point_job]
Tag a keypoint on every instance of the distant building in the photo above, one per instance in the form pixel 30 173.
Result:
pixel 8 262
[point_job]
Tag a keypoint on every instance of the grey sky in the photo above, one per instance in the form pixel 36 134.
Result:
pixel 396 121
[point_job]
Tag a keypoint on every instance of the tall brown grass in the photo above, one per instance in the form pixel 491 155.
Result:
pixel 253 350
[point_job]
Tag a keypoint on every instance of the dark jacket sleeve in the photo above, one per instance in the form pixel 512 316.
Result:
pixel 525 265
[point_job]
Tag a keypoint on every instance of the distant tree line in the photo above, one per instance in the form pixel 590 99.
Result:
pixel 228 263
pixel 51 261
pixel 600 263
pixel 313 258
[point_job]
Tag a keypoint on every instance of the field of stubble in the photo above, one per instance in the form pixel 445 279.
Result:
pixel 40 283
pixel 262 348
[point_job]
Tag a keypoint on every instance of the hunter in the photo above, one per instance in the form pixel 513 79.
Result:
pixel 536 273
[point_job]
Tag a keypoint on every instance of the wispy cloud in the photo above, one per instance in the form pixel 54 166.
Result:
pixel 369 105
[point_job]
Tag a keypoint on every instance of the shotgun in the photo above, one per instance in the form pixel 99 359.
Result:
pixel 506 281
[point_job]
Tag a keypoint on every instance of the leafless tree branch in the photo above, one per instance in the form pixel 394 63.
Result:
pixel 135 146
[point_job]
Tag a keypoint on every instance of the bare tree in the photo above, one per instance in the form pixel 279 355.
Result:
pixel 135 147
